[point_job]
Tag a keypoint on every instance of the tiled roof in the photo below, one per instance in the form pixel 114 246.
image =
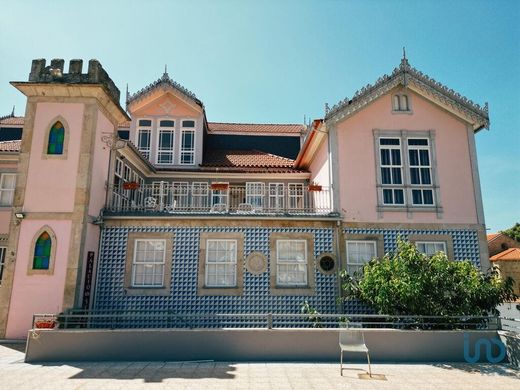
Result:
pixel 10 146
pixel 508 254
pixel 252 128
pixel 12 120
pixel 245 159
pixel 492 236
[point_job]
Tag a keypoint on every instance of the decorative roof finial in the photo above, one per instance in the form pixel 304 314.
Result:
pixel 404 53
pixel 12 112
pixel 404 61
pixel 165 75
pixel 127 96
pixel 327 108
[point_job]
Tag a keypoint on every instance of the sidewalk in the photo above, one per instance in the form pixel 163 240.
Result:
pixel 15 374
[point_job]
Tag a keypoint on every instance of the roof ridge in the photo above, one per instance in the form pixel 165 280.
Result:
pixel 164 79
pixel 402 71
pixel 274 155
pixel 263 124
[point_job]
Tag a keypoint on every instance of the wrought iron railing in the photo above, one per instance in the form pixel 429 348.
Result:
pixel 78 319
pixel 201 198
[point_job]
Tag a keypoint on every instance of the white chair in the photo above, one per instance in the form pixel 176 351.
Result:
pixel 245 208
pixel 352 339
pixel 150 203
pixel 219 208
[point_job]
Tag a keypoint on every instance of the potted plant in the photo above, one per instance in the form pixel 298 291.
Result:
pixel 45 323
pixel 315 187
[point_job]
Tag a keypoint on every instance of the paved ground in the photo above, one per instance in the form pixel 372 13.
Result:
pixel 15 374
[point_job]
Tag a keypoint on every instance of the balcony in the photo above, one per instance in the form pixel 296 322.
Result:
pixel 262 199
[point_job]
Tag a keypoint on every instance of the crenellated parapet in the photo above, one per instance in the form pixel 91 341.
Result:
pixel 54 73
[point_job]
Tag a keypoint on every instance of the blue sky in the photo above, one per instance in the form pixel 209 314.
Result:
pixel 276 61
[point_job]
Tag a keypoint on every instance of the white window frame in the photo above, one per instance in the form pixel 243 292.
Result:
pixel 165 151
pixel 3 253
pixel 420 186
pixel 160 264
pixel 184 151
pixel 358 264
pixel 214 264
pixel 435 244
pixel 221 195
pixel 146 152
pixel 285 262
pixel 199 195
pixel 401 102
pixel 255 194
pixel 276 197
pixel 5 190
pixel 392 186
pixel 296 196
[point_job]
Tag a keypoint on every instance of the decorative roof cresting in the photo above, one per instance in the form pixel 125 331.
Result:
pixel 164 81
pixel 405 74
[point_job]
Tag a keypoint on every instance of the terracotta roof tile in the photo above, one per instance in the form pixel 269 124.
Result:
pixel 12 120
pixel 10 146
pixel 492 236
pixel 508 254
pixel 245 159
pixel 265 128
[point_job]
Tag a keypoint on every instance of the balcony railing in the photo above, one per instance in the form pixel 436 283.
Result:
pixel 168 198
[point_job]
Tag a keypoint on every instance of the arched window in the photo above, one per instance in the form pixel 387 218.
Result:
pixel 56 139
pixel 397 103
pixel 404 103
pixel 42 252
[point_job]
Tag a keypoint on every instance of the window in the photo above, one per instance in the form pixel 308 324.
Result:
pixel 180 192
pixel 199 192
pixel 296 196
pixel 291 262
pixel 7 184
pixel 3 251
pixel 400 103
pixel 405 173
pixel 255 195
pixel 42 252
pixel 391 171
pixel 221 263
pixel 188 143
pixel 144 135
pixel 358 254
pixel 430 248
pixel 420 172
pixel 165 147
pixel 148 263
pixel 56 139
pixel 219 196
pixel 276 196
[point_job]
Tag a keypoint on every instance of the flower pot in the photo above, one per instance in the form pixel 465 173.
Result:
pixel 45 324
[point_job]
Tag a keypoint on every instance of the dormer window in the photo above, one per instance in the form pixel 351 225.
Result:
pixel 400 103
pixel 165 147
pixel 188 142
pixel 144 136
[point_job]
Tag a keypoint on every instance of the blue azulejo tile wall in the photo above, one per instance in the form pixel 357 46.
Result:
pixel 256 297
pixel 465 242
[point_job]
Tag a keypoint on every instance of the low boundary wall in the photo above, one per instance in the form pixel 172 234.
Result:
pixel 386 345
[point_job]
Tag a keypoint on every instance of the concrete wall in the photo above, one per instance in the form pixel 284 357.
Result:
pixel 386 345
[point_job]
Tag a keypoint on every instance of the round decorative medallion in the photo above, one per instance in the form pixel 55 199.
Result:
pixel 256 263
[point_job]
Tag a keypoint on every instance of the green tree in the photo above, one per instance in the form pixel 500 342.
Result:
pixel 408 282
pixel 513 232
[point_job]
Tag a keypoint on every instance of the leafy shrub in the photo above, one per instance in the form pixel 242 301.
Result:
pixel 408 282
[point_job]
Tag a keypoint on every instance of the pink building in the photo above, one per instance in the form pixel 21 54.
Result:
pixel 154 208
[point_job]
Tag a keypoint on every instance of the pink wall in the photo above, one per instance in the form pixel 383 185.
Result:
pixel 319 167
pixel 357 169
pixel 56 192
pixel 37 293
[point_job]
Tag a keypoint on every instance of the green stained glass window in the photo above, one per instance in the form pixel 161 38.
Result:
pixel 42 252
pixel 56 138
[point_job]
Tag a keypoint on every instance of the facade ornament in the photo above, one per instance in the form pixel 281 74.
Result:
pixel 113 141
pixel 406 75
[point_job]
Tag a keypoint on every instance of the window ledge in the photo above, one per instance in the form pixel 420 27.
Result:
pixel 292 290
pixel 424 209
pixel 226 291
pixel 406 112
pixel 147 291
